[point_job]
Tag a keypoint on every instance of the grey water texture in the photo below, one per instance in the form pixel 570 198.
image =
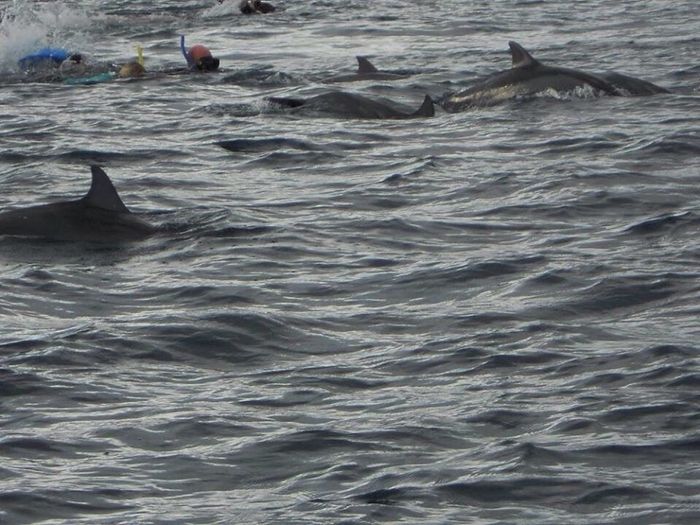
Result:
pixel 482 317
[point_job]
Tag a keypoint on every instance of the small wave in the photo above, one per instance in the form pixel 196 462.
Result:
pixel 661 223
pixel 417 167
pixel 520 360
pixel 575 425
pixel 659 451
pixel 260 77
pixel 41 447
pixel 239 110
pixel 552 491
pixel 471 272
pixel 617 495
pixel 691 380
pixel 245 338
pixel 671 352
pixel 505 419
pixel 274 144
pixel 581 144
pixel 427 360
pixel 291 159
pixel 40 505
pixel 113 157
pixel 635 291
pixel 268 144
pixel 82 156
pixel 389 496
pixel 18 384
pixel 227 232
pixel 675 145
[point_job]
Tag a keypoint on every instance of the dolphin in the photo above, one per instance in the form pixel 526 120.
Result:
pixel 528 76
pixel 100 216
pixel 351 105
pixel 631 86
pixel 365 71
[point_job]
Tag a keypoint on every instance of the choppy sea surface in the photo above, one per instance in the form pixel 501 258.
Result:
pixel 489 317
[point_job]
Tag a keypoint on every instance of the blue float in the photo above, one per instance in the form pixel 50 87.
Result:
pixel 55 54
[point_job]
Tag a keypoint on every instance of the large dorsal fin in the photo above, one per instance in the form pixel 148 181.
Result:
pixel 102 193
pixel 365 66
pixel 521 58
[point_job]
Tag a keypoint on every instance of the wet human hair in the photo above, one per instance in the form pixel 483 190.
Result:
pixel 263 7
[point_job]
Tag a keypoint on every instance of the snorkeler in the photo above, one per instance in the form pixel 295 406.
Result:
pixel 248 7
pixel 135 68
pixel 263 7
pixel 131 70
pixel 73 66
pixel 60 65
pixel 198 57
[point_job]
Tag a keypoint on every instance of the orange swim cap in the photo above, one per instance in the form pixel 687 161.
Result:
pixel 198 51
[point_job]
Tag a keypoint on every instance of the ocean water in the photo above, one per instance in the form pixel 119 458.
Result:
pixel 489 317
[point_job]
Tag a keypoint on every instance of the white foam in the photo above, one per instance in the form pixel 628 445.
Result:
pixel 585 92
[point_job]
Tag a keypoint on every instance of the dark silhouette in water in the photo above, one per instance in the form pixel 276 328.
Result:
pixel 99 216
pixel 527 77
pixel 198 57
pixel 631 86
pixel 249 7
pixel 351 105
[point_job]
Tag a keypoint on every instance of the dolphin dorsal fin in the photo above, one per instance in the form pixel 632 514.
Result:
pixel 427 109
pixel 102 193
pixel 521 58
pixel 365 66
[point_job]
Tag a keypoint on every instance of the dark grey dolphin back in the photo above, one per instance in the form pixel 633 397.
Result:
pixel 365 66
pixel 102 193
pixel 521 57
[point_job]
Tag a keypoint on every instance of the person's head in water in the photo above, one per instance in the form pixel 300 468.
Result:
pixel 202 59
pixel 74 65
pixel 263 7
pixel 248 7
pixel 198 57
pixel 131 70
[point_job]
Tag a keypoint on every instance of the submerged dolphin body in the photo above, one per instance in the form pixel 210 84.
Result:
pixel 351 105
pixel 631 86
pixel 99 216
pixel 527 77
pixel 365 71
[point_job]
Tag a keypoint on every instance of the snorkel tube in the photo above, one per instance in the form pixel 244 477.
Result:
pixel 139 55
pixel 183 49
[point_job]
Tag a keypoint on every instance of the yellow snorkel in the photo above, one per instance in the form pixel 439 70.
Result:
pixel 139 55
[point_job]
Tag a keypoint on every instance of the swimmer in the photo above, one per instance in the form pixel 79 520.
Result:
pixel 263 7
pixel 135 68
pixel 198 57
pixel 131 70
pixel 73 66
pixel 248 7
pixel 44 64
